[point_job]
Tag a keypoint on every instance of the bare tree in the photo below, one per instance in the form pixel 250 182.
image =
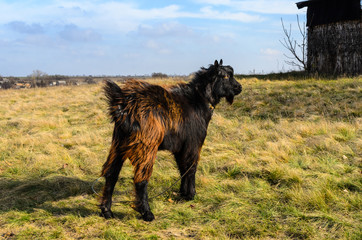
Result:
pixel 36 75
pixel 298 57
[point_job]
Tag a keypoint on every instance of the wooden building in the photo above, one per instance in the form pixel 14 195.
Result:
pixel 334 37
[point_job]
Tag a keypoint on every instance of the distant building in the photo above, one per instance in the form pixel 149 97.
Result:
pixel 61 83
pixel 334 36
pixel 5 83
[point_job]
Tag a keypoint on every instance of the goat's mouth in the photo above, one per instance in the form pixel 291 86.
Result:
pixel 230 99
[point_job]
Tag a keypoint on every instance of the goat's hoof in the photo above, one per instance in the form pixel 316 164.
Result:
pixel 107 214
pixel 148 216
pixel 188 197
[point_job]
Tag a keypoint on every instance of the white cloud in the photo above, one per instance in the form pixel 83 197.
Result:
pixel 110 16
pixel 125 37
pixel 270 52
pixel 209 13
pixel 157 47
pixel 215 2
pixel 22 27
pixel 125 17
pixel 258 6
pixel 73 33
pixel 165 29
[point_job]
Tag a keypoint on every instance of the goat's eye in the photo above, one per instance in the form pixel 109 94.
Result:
pixel 226 77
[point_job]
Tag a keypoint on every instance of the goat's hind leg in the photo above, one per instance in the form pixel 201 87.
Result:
pixel 143 171
pixel 142 201
pixel 111 170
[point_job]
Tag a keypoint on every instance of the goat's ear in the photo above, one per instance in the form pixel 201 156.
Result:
pixel 220 62
pixel 216 64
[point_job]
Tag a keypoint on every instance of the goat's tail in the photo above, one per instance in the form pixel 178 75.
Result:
pixel 114 97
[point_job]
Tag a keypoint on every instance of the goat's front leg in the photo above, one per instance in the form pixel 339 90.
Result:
pixel 187 164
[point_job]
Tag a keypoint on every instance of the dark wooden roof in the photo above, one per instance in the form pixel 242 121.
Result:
pixel 329 11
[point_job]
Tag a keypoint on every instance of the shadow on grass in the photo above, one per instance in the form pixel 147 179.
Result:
pixel 29 194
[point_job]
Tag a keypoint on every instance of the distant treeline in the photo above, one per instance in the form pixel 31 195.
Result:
pixel 42 81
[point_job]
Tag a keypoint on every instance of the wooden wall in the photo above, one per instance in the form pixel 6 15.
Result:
pixel 335 49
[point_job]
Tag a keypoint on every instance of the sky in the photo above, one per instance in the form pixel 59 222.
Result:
pixel 140 37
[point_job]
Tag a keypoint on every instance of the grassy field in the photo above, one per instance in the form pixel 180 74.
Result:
pixel 283 162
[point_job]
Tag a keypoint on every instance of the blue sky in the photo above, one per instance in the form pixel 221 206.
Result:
pixel 139 37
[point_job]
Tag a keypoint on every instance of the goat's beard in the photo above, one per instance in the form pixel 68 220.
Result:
pixel 230 99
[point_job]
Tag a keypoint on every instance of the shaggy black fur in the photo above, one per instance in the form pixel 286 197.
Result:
pixel 149 118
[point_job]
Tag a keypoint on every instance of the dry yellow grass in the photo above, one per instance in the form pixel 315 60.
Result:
pixel 282 162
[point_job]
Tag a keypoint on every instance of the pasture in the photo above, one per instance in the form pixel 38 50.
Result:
pixel 282 162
